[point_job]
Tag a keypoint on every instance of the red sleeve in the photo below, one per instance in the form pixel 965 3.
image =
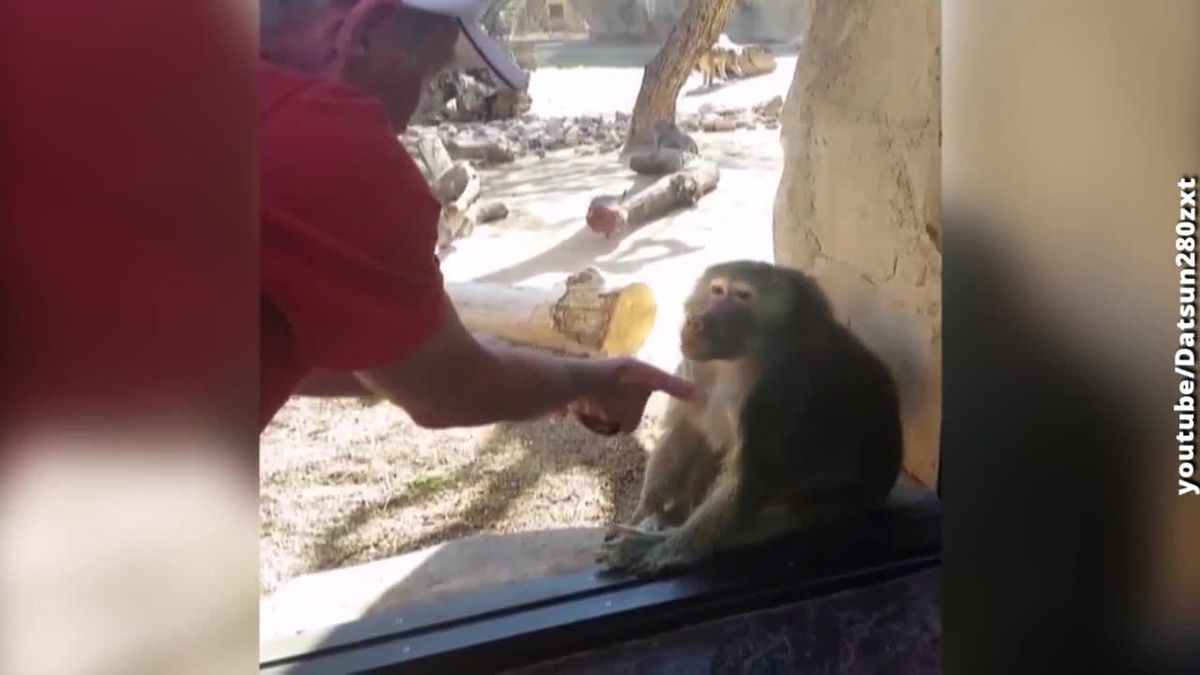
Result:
pixel 349 228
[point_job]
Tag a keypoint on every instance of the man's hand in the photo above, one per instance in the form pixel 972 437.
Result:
pixel 617 392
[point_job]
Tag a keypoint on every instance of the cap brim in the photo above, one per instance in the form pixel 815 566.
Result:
pixel 477 49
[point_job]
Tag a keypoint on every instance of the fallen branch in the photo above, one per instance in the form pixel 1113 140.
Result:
pixel 578 316
pixel 615 216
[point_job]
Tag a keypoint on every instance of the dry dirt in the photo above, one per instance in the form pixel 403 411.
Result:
pixel 344 481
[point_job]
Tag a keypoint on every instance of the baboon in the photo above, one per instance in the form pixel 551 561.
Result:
pixel 799 426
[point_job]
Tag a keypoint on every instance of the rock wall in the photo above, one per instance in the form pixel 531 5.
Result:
pixel 858 202
pixel 774 21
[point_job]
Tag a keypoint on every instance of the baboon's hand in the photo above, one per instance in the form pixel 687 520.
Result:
pixel 643 553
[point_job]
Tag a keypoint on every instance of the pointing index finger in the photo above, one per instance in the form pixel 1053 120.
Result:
pixel 647 375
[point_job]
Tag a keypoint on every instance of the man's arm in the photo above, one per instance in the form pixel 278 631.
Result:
pixel 454 379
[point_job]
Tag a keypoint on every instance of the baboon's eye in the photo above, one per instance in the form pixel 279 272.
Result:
pixel 741 290
pixel 717 288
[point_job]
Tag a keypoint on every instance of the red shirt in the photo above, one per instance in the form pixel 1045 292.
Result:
pixel 350 279
pixel 127 212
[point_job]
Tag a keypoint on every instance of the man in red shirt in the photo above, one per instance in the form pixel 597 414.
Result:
pixel 352 293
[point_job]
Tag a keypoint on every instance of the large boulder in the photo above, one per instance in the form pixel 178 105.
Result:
pixel 858 201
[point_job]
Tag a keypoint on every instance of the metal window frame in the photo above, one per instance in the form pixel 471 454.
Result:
pixel 532 621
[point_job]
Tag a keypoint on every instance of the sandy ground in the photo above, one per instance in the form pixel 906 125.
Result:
pixel 346 482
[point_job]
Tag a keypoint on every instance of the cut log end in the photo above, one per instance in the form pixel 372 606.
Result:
pixel 633 314
pixel 615 216
pixel 606 216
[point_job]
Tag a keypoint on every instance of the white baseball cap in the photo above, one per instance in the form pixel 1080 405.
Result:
pixel 475 48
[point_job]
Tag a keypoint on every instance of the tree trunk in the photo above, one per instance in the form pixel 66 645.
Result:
pixel 578 316
pixel 697 30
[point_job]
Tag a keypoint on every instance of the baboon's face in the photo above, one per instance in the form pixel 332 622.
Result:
pixel 747 307
pixel 719 318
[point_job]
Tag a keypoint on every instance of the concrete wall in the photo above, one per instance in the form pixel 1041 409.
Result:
pixel 858 202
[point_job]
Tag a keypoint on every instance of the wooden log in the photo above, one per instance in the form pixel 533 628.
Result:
pixel 433 153
pixel 458 186
pixel 614 216
pixel 492 151
pixel 578 316
pixel 659 162
pixel 454 224
pixel 457 189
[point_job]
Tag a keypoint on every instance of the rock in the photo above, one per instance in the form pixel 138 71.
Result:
pixel 469 95
pixel 716 123
pixel 489 212
pixel 573 136
pixel 754 60
pixel 507 103
pixel 770 108
pixel 880 259
pixel 707 109
pixel 481 150
pixel 659 162
pixel 745 124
